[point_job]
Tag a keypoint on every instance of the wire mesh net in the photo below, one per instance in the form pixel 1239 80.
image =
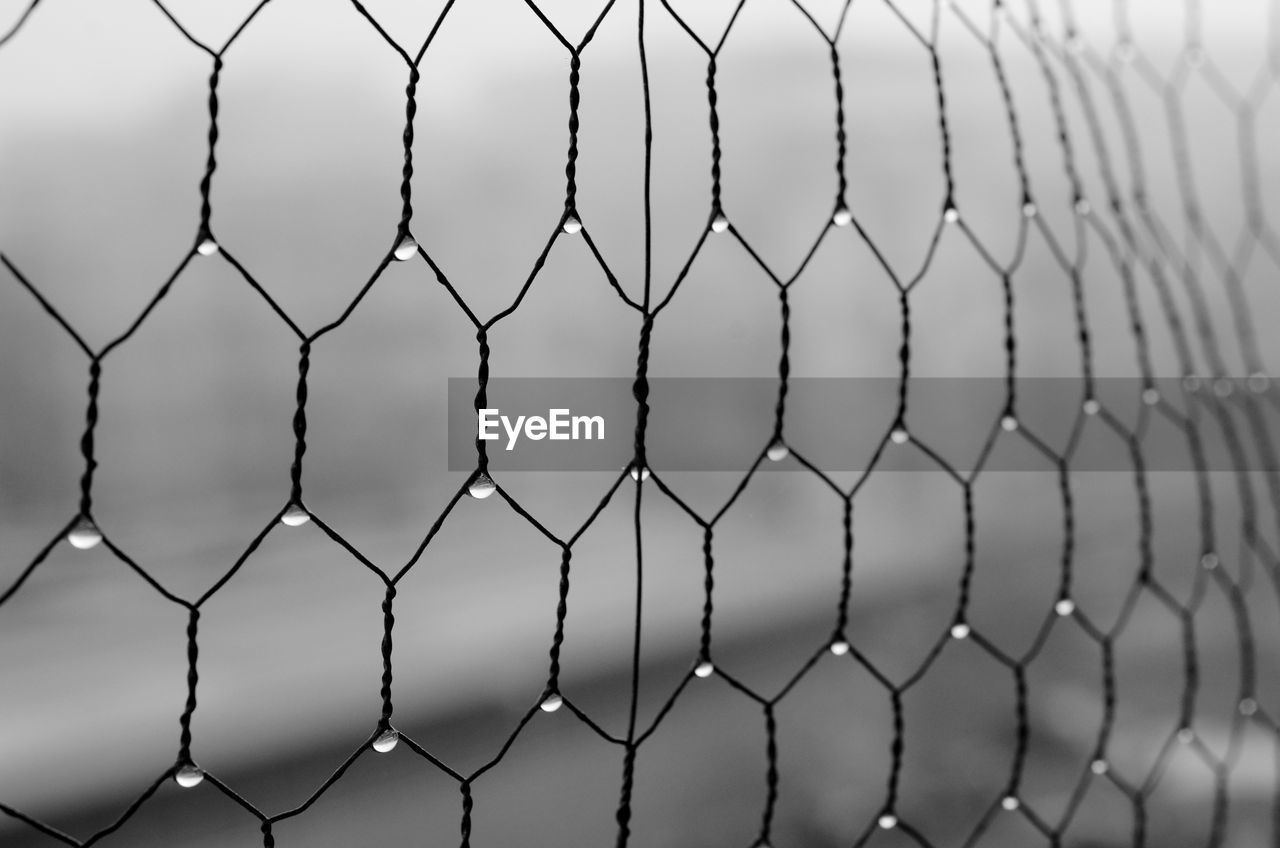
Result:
pixel 1093 171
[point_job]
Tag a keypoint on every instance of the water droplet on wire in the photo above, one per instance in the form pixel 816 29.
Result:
pixel 704 669
pixel 1065 607
pixel 551 703
pixel 951 214
pixel 207 246
pixel 888 821
pixel 899 436
pixel 960 630
pixel 482 487
pixel 295 516
pixel 406 249
pixel 1010 803
pixel 777 451
pixel 1008 423
pixel 1029 209
pixel 719 223
pixel 639 473
pixel 842 217
pixel 84 535
pixel 572 226
pixel 387 740
pixel 1099 767
pixel 189 776
pixel 839 647
pixel 1091 406
pixel 1150 396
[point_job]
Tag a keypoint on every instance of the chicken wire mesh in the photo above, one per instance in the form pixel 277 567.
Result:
pixel 1187 282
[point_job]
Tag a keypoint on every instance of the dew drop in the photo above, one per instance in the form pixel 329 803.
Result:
pixel 840 647
pixel 1091 406
pixel 704 669
pixel 552 703
pixel 482 487
pixel 639 472
pixel 84 535
pixel 1223 387
pixel 1010 803
pixel 189 776
pixel 777 451
pixel 1258 382
pixel 888 821
pixel 572 226
pixel 1186 735
pixel 387 740
pixel 1209 561
pixel 951 214
pixel 1099 767
pixel 1083 207
pixel 960 630
pixel 899 436
pixel 295 516
pixel 1150 396
pixel 1064 607
pixel 406 249
pixel 207 246
pixel 1009 423
pixel 1029 210
pixel 842 217
pixel 719 223
pixel 1248 706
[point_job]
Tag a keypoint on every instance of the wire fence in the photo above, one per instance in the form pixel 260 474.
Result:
pixel 1170 270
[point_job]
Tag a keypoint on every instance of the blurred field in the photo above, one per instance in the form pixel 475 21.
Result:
pixel 99 168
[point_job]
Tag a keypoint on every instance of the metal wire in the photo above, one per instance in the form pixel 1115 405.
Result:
pixel 1122 224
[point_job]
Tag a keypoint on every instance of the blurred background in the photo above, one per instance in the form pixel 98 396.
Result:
pixel 102 147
